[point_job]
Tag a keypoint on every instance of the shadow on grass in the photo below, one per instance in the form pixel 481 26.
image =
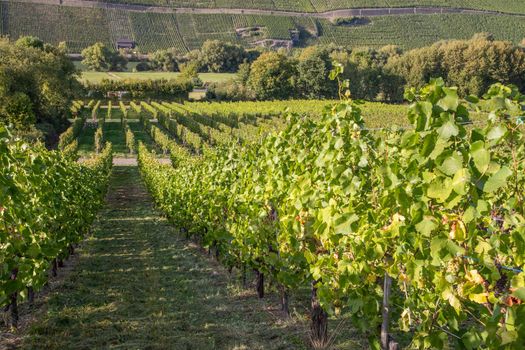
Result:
pixel 86 140
pixel 114 133
pixel 139 285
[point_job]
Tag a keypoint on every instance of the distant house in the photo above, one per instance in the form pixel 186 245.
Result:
pixel 117 94
pixel 125 44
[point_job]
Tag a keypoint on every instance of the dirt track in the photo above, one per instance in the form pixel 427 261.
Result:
pixel 361 12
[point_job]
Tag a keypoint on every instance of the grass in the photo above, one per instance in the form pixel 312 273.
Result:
pixel 139 285
pixel 114 133
pixel 86 140
pixel 95 77
pixel 144 137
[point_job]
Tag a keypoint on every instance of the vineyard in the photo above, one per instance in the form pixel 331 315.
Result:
pixel 513 6
pixel 406 221
pixel 200 125
pixel 273 174
pixel 348 210
pixel 186 31
pixel 48 203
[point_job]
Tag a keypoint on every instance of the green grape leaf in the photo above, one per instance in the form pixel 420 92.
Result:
pixel 451 101
pixel 460 181
pixel 439 190
pixel 451 165
pixel 497 180
pixel 448 130
pixel 520 293
pixel 426 226
pixel 471 340
pixel 496 132
pixel 480 155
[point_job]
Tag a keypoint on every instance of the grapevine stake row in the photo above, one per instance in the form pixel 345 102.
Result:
pixel 378 223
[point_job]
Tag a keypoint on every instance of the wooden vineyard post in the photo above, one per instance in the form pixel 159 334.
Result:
pixel 285 301
pixel 54 267
pixel 260 284
pixel 244 285
pixel 13 306
pixel 386 342
pixel 217 252
pixel 30 296
pixel 319 325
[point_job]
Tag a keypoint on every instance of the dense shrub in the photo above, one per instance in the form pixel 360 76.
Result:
pixel 163 88
pixel 272 77
pixel 163 60
pixel 229 91
pixel 99 57
pixel 37 84
pixel 471 64
pixel 142 67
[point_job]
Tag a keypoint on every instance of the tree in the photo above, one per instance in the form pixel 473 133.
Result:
pixel 30 41
pixel 313 69
pixel 163 60
pixel 17 110
pixel 37 84
pixel 99 57
pixel 272 76
pixel 243 74
pixel 217 56
pixel 118 61
pixel 190 71
pixel 417 67
pixel 473 64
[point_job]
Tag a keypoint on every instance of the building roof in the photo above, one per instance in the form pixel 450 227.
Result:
pixel 125 41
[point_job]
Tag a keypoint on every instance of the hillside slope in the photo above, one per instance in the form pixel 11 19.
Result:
pixel 509 6
pixel 81 27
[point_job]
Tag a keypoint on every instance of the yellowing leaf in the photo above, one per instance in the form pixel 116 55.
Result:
pixel 452 299
pixel 474 276
pixel 480 298
pixel 458 230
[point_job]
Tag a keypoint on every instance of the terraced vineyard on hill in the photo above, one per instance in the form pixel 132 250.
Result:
pixel 512 6
pixel 186 31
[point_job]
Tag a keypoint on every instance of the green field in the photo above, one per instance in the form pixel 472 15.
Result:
pixel 186 32
pixel 98 76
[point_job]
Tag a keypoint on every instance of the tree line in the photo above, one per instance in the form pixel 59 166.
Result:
pixel 377 74
pixel 140 89
pixel 374 73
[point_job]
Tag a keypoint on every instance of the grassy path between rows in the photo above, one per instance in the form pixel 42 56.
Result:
pixel 139 285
